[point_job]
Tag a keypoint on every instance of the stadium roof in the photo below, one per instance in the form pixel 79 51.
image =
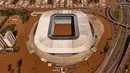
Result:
pixel 82 43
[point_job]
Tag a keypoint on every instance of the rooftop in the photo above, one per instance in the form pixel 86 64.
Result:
pixel 82 43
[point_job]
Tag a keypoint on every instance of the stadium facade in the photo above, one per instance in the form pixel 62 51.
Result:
pixel 63 37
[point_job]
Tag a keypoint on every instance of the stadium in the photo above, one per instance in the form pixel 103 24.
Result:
pixel 64 37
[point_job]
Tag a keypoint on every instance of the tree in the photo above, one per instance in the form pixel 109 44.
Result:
pixel 19 63
pixel 25 18
pixel 9 67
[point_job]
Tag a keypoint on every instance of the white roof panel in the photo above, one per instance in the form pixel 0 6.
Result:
pixel 84 42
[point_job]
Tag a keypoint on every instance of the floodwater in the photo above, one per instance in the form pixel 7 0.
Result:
pixel 96 58
pixel 32 64
pixel 62 29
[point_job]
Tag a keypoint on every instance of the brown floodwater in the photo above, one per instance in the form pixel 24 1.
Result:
pixel 62 29
pixel 33 64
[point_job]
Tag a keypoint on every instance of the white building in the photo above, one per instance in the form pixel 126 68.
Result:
pixel 65 47
pixel 9 39
pixel 2 42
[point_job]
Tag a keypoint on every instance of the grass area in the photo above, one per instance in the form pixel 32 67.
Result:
pixel 121 44
pixel 94 70
pixel 3 22
pixel 24 14
pixel 122 0
pixel 117 30
pixel 106 48
pixel 12 12
pixel 9 27
pixel 117 13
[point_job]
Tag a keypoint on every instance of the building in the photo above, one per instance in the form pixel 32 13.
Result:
pixel 84 2
pixel 65 38
pixel 2 42
pixel 76 3
pixel 50 2
pixel 9 39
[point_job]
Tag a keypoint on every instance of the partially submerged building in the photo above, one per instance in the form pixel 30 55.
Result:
pixel 9 39
pixel 2 43
pixel 63 37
